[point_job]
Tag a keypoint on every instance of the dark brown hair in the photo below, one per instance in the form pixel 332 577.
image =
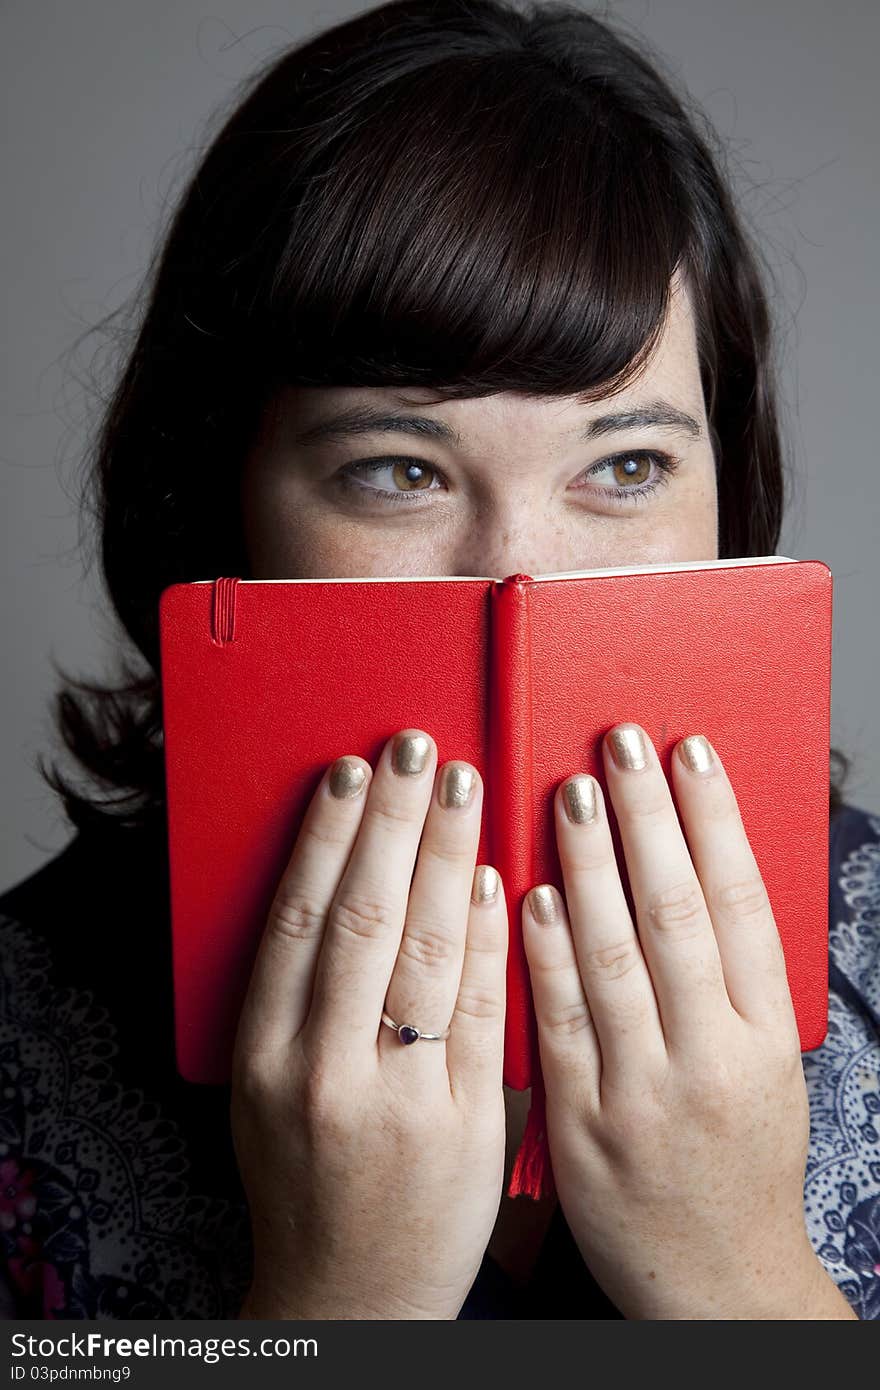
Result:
pixel 469 195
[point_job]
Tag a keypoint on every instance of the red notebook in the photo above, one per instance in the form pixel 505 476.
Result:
pixel 266 682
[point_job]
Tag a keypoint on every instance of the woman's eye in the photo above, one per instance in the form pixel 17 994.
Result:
pixel 410 475
pixel 635 474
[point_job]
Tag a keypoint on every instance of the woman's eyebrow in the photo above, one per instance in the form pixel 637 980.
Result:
pixel 366 419
pixel 638 417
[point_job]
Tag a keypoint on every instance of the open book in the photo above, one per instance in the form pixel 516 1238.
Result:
pixel 266 682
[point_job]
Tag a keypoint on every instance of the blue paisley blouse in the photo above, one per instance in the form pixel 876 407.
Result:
pixel 119 1192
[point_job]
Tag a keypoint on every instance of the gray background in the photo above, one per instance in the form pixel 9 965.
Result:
pixel 110 104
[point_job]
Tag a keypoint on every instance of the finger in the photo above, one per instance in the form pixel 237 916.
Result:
pixel 675 929
pixel 426 975
pixel 571 1060
pixel 475 1047
pixel 748 939
pixel 366 917
pixel 277 1001
pixel 615 976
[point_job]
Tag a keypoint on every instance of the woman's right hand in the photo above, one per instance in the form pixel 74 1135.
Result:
pixel 373 1169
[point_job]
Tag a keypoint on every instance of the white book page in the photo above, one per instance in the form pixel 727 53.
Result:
pixel 678 565
pixel 563 574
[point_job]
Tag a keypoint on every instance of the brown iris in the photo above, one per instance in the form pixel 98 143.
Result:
pixel 633 476
pixel 401 471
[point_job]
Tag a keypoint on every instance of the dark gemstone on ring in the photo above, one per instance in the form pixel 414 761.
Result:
pixel 407 1033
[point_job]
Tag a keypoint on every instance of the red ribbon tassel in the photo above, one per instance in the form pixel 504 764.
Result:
pixel 532 1174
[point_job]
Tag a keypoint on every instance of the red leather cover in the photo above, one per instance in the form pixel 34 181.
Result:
pixel 740 654
pixel 266 682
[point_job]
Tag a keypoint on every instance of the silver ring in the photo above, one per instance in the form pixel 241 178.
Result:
pixel 408 1033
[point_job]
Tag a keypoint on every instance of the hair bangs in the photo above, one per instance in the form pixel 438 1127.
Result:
pixel 523 242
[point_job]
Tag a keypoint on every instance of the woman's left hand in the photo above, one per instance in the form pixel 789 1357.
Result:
pixel 677 1111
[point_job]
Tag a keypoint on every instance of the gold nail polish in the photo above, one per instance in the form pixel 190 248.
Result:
pixel 457 782
pixel 628 747
pixel 579 799
pixel 697 753
pixel 346 778
pixel 485 885
pixel 542 905
pixel 410 754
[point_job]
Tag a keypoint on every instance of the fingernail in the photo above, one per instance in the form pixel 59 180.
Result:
pixel 485 885
pixel 346 779
pixel 697 753
pixel 410 754
pixel 457 782
pixel 579 799
pixel 628 747
pixel 542 905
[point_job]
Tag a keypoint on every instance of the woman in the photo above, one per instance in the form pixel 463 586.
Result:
pixel 498 226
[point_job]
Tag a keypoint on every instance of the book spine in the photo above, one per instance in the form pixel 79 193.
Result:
pixel 510 767
pixel 511 744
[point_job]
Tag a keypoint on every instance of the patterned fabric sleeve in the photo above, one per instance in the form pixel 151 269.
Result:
pixel 119 1193
pixel 842 1188
pixel 100 1215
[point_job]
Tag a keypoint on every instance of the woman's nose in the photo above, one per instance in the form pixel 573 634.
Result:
pixel 499 551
